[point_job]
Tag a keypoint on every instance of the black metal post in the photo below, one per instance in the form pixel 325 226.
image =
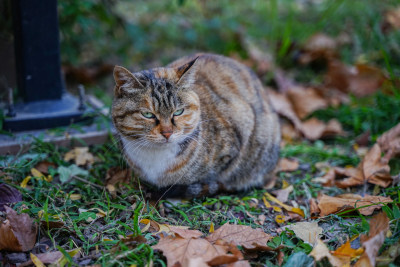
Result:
pixel 37 51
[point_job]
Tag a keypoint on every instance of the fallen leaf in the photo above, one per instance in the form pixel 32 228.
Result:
pixel 309 232
pixel 329 205
pixel 283 194
pixel 305 101
pixel 67 173
pixel 319 47
pixel 314 129
pixel 372 242
pixel 44 166
pixel 392 20
pixel 178 250
pixel 346 250
pixel 360 80
pixel 8 195
pixel 46 258
pixel 286 207
pixel 241 235
pixel 17 232
pixel 116 175
pixel 288 165
pixel 314 209
pixel 321 251
pixel 36 261
pixel 389 142
pixel 80 155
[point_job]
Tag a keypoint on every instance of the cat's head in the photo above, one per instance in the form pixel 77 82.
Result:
pixel 156 107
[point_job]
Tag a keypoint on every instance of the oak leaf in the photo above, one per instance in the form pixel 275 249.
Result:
pixel 17 232
pixel 329 205
pixel 241 235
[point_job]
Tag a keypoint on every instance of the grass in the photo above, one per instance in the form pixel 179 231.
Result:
pixel 126 31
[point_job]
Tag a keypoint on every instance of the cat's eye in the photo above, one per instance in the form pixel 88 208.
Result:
pixel 178 112
pixel 148 115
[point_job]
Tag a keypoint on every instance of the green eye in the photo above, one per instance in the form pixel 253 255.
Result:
pixel 178 112
pixel 148 115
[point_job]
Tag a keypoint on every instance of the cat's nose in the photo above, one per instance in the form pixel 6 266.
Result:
pixel 167 134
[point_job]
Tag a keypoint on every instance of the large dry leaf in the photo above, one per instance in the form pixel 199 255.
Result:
pixel 18 232
pixel 306 100
pixel 241 235
pixel 283 106
pixel 321 251
pixel 46 258
pixel 179 250
pixel 329 205
pixel 287 165
pixel 8 195
pixel 314 129
pixel 372 169
pixel 309 232
pixel 390 142
pixel 379 225
pixel 80 155
pixel 360 80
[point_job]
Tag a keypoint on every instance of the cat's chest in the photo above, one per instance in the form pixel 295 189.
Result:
pixel 153 162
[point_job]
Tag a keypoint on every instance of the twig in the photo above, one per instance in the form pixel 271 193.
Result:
pixel 87 182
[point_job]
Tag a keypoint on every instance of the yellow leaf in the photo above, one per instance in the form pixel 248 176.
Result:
pixel 280 219
pixel 145 221
pixel 211 228
pixel 266 203
pixel 24 183
pixel 285 184
pixel 36 173
pixel 75 196
pixel 286 207
pixel 37 261
pixel 40 214
pixel 49 178
pixel 63 260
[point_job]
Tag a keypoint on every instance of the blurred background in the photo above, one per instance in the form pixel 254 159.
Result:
pixel 291 41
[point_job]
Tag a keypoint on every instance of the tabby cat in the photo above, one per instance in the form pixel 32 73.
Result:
pixel 202 120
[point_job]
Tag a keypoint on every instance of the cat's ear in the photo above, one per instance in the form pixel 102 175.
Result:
pixel 184 73
pixel 124 78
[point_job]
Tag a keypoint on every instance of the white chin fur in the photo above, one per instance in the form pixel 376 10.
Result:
pixel 153 161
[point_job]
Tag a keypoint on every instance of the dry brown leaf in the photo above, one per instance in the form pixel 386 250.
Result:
pixel 283 106
pixel 179 250
pixel 46 258
pixel 185 233
pixel 241 235
pixel 283 194
pixel 321 251
pixel 392 20
pixel 314 209
pixel 309 232
pixel 372 242
pixel 329 205
pixel 289 133
pixel 17 232
pixel 8 195
pixel 390 143
pixel 306 100
pixel 80 155
pixel 361 80
pixel 314 129
pixel 43 166
pixel 319 47
pixel 116 175
pixel 288 165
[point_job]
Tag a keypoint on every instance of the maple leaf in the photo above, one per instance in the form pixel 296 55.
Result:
pixel 329 205
pixel 18 232
pixel 241 235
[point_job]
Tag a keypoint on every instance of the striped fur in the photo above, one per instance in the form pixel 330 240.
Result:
pixel 227 133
